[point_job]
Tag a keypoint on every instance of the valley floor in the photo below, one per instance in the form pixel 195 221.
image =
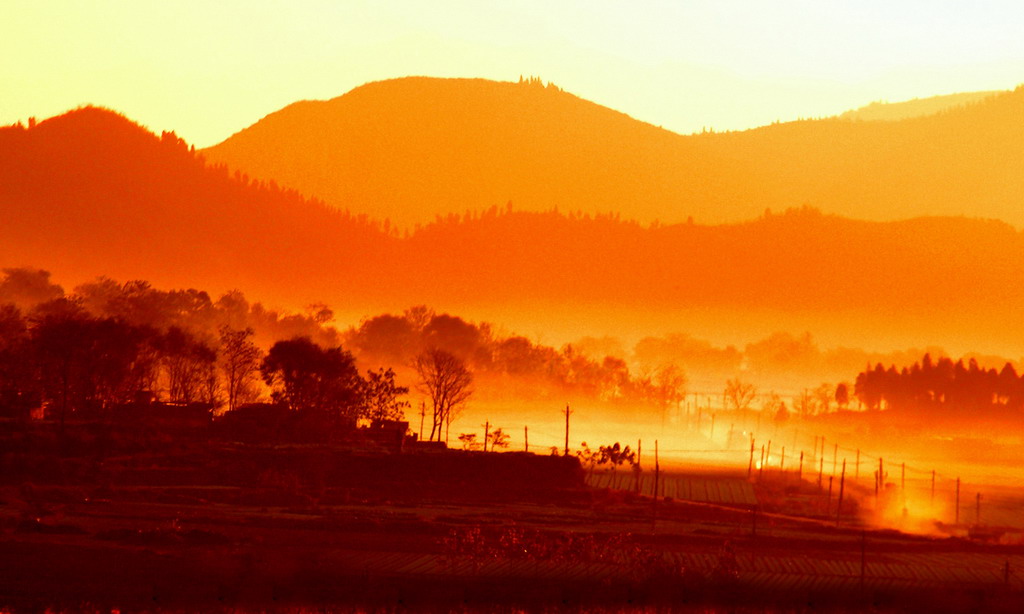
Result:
pixel 149 540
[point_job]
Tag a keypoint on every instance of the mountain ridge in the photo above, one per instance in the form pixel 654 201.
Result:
pixel 82 201
pixel 410 149
pixel 917 107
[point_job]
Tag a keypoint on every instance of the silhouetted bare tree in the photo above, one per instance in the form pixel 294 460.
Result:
pixel 19 386
pixel 823 397
pixel 739 394
pixel 239 362
pixel 447 381
pixel 190 367
pixel 669 388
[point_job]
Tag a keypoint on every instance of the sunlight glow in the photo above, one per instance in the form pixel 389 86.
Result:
pixel 207 70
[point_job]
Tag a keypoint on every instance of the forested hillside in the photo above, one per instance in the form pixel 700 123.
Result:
pixel 410 149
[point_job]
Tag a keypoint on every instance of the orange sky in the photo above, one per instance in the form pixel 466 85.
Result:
pixel 207 69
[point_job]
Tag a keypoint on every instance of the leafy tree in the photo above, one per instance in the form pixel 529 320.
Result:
pixel 781 414
pixel 842 396
pixel 19 385
pixel 61 348
pixel 88 364
pixel 460 338
pixel 381 395
pixel 26 288
pixel 310 379
pixel 386 337
pixel 469 441
pixel 615 455
pixel 941 386
pixel 588 458
pixel 498 439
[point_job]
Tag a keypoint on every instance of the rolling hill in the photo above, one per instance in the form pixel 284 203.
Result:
pixel 918 107
pixel 90 193
pixel 410 149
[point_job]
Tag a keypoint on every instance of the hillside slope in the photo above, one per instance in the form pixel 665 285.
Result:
pixel 89 193
pixel 918 107
pixel 413 148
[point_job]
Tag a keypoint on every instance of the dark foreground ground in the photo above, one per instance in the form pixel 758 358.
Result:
pixel 148 523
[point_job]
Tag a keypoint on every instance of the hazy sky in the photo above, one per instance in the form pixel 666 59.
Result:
pixel 207 69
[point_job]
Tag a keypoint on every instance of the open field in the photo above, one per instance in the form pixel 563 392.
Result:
pixel 209 524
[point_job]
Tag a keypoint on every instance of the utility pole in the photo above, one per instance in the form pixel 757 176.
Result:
pixel 526 439
pixel 800 471
pixel 657 476
pixel 639 449
pixel 829 506
pixel 821 469
pixel 657 471
pixel 957 517
pixel 487 433
pixel 903 484
pixel 568 412
pixel 423 415
pixel 782 461
pixel 842 485
pixel 760 468
pixel 750 466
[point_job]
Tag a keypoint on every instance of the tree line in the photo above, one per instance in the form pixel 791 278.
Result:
pixel 109 345
pixel 61 357
pixel 513 362
pixel 106 343
pixel 941 386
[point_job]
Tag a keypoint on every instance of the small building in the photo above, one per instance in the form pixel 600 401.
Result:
pixel 388 434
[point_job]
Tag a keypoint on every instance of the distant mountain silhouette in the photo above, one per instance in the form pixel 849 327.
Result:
pixel 89 193
pixel 413 148
pixel 918 107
